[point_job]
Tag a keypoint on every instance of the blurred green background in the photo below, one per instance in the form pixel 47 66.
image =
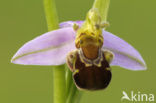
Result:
pixel 22 20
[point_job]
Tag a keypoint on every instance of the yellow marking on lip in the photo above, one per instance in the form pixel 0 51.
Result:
pixel 109 69
pixel 76 71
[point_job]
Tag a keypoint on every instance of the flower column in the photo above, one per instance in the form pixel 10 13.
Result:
pixel 102 6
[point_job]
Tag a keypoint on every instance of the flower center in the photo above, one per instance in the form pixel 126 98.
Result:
pixel 90 62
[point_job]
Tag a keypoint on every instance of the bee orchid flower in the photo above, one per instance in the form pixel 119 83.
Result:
pixel 87 48
pixel 52 48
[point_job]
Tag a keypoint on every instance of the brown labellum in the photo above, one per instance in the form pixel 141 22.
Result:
pixel 90 74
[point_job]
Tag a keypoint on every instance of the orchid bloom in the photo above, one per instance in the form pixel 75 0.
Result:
pixel 52 48
pixel 87 48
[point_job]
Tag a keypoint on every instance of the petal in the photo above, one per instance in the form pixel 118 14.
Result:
pixel 70 24
pixel 48 49
pixel 125 55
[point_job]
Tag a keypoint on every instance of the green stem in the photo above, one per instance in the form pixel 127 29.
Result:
pixel 71 94
pixel 102 6
pixel 51 14
pixel 58 71
pixel 59 84
pixel 77 96
pixel 68 80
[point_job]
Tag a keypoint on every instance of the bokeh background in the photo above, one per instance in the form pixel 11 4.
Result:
pixel 22 20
